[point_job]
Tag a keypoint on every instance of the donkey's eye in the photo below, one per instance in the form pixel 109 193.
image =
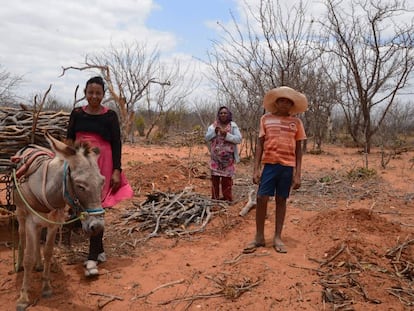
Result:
pixel 81 188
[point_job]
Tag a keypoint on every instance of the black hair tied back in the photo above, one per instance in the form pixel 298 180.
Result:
pixel 97 80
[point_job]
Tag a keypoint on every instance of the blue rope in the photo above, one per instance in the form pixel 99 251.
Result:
pixel 65 189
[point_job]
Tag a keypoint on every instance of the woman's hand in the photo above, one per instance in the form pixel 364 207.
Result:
pixel 219 131
pixel 115 180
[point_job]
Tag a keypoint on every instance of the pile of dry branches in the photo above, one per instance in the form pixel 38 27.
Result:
pixel 174 214
pixel 345 276
pixel 19 127
pixel 403 264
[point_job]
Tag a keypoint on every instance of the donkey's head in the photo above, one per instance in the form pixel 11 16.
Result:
pixel 82 183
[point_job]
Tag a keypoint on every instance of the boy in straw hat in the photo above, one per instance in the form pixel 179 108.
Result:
pixel 279 149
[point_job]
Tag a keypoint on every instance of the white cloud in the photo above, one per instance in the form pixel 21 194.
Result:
pixel 40 37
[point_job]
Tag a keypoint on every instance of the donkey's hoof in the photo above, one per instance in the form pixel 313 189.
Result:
pixel 18 267
pixel 46 293
pixel 21 306
pixel 23 302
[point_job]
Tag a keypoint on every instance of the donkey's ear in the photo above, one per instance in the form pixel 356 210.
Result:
pixel 59 147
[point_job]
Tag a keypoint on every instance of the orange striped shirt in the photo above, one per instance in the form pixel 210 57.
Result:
pixel 280 135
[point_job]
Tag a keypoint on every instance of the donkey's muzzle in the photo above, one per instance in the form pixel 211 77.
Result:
pixel 94 225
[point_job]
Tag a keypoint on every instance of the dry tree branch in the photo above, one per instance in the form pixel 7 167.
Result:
pixel 88 66
pixel 173 214
pixel 305 268
pixel 364 293
pixel 111 298
pixel 106 295
pixel 166 209
pixel 36 112
pixel 228 291
pixel 242 255
pixel 75 100
pixel 397 251
pixel 399 292
pixel 158 288
pixel 250 203
pixel 343 246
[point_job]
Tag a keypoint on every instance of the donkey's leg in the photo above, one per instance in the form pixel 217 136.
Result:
pixel 47 253
pixel 38 257
pixel 22 241
pixel 28 262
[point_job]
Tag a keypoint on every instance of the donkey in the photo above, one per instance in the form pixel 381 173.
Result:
pixel 45 184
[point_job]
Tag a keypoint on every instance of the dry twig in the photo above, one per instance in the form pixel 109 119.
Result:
pixel 242 255
pixel 173 214
pixel 158 288
pixel 111 298
pixel 230 291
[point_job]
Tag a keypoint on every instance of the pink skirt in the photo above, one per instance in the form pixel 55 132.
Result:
pixel 109 198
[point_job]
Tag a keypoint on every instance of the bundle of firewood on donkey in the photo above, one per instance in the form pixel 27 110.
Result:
pixel 22 126
pixel 174 214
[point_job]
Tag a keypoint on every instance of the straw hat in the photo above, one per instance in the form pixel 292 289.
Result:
pixel 300 103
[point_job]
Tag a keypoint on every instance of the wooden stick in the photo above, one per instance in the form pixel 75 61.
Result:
pixel 240 256
pixel 250 203
pixel 106 295
pixel 334 255
pixel 158 288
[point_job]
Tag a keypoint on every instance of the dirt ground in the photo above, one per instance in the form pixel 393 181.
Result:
pixel 349 238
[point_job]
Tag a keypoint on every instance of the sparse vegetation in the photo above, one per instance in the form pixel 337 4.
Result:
pixel 361 173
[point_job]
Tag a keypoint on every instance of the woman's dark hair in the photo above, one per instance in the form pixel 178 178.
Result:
pixel 97 80
pixel 229 114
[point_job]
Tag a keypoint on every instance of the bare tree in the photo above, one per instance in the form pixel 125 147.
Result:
pixel 8 83
pixel 274 47
pixel 397 127
pixel 321 94
pixel 162 99
pixel 206 110
pixel 373 49
pixel 128 72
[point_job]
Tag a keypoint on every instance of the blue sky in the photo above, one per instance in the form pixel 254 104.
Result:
pixel 190 20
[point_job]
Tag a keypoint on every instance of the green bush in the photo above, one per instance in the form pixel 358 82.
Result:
pixel 140 124
pixel 325 179
pixel 361 173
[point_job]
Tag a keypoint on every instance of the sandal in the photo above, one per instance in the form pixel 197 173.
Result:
pixel 91 268
pixel 280 248
pixel 251 247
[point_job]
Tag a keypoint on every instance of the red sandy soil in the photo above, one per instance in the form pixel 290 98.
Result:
pixel 345 240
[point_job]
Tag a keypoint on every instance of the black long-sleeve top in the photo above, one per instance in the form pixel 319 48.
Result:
pixel 105 125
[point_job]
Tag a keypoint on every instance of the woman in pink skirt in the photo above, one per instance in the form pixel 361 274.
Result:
pixel 100 127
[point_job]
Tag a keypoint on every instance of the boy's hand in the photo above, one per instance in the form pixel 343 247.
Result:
pixel 256 177
pixel 296 182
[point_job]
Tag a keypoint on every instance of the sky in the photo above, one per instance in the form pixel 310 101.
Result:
pixel 42 36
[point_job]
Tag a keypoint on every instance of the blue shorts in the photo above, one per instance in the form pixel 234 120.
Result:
pixel 276 179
